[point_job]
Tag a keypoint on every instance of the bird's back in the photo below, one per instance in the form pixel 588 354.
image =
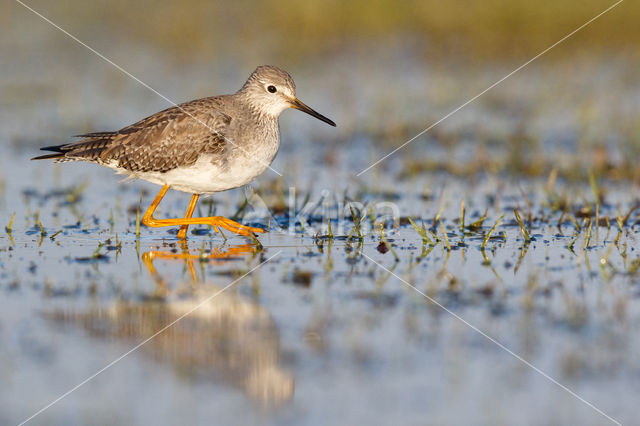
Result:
pixel 168 139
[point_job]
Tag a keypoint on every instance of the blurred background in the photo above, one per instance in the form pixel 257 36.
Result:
pixel 287 30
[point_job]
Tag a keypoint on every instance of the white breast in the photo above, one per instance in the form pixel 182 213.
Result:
pixel 209 174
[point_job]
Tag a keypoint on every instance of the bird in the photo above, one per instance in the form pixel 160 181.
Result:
pixel 200 147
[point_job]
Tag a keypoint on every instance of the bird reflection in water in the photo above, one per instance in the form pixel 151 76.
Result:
pixel 215 255
pixel 229 338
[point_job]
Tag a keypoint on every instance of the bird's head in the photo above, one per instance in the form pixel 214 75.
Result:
pixel 271 90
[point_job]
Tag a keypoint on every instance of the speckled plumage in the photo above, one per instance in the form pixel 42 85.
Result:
pixel 201 146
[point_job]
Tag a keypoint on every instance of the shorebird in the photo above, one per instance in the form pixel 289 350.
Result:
pixel 200 147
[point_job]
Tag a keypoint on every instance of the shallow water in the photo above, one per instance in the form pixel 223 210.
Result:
pixel 320 332
pixel 317 328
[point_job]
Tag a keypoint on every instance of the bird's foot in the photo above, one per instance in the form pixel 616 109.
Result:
pixel 233 226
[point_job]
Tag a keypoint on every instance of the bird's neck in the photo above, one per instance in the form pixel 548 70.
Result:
pixel 263 112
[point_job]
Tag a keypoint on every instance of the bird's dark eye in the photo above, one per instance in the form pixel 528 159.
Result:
pixel 272 89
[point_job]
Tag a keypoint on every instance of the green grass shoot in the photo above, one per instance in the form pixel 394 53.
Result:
pixel 523 229
pixel 138 223
pixel 111 221
pixel 594 187
pixel 53 237
pixel 446 237
pixel 357 223
pixel 437 218
pixel 477 225
pixel 421 231
pixel 138 217
pixel 575 222
pixel 39 225
pixel 588 238
pixel 9 227
pixel 486 237
pixel 256 242
pixel 96 253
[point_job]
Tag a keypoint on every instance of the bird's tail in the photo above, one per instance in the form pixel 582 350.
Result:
pixel 90 147
pixel 58 152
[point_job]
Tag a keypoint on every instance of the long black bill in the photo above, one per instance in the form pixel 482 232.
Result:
pixel 302 107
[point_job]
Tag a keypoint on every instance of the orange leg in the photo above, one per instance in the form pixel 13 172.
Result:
pixel 215 221
pixel 182 233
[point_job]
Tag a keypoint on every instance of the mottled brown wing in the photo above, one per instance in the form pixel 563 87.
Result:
pixel 168 139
